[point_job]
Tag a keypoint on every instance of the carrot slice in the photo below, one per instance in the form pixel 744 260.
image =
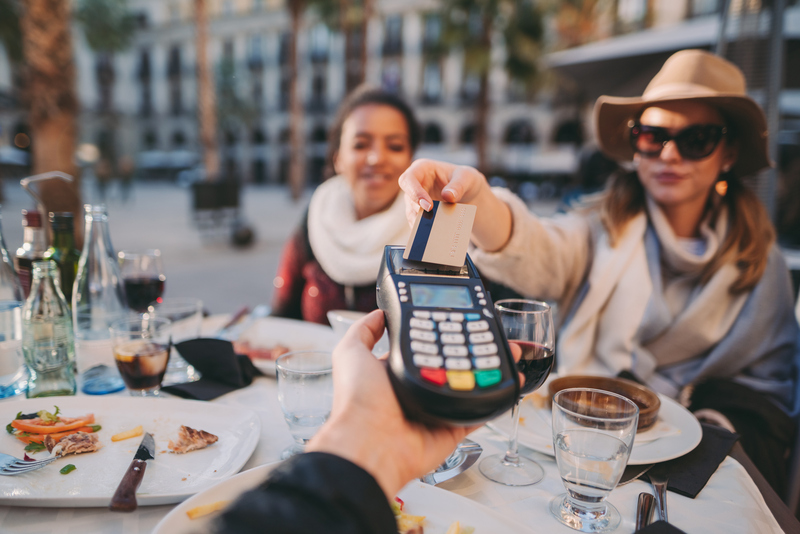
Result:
pixel 39 438
pixel 35 426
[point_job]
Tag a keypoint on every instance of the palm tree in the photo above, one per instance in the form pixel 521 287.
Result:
pixel 49 93
pixel 470 26
pixel 348 17
pixel 206 101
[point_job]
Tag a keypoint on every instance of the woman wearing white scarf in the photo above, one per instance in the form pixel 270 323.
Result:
pixel 672 273
pixel 332 260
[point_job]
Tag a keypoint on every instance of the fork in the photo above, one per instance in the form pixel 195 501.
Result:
pixel 659 482
pixel 10 465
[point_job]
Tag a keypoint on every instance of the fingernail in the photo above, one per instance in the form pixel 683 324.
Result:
pixel 424 204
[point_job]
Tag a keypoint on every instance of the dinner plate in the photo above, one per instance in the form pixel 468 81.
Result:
pixel 169 478
pixel 440 507
pixel 536 432
pixel 267 332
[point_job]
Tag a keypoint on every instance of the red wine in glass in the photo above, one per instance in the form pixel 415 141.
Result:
pixel 535 364
pixel 141 292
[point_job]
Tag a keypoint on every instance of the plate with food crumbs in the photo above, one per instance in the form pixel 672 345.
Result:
pixel 438 511
pixel 170 478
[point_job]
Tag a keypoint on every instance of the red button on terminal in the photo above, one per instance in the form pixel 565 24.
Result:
pixel 437 376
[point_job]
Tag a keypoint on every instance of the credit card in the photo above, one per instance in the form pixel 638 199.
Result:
pixel 441 235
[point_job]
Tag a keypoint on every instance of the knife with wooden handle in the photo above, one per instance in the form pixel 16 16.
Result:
pixel 124 499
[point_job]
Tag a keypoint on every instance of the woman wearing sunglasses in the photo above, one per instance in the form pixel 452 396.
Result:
pixel 670 274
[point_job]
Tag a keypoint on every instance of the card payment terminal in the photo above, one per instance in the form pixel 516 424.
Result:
pixel 449 361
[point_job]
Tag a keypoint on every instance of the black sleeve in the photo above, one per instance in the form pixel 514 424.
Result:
pixel 313 493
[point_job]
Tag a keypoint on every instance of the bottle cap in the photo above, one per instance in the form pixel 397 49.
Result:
pixel 31 218
pixel 62 221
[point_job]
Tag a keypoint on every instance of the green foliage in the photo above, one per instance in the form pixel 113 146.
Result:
pixel 338 15
pixel 231 108
pixel 34 447
pixel 469 24
pixel 10 34
pixel 107 24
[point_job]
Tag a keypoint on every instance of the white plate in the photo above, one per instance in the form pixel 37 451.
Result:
pixel 537 433
pixel 440 507
pixel 170 478
pixel 296 335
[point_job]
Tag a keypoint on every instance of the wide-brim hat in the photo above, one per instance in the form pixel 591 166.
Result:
pixel 690 75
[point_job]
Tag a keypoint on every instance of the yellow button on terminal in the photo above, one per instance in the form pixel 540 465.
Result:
pixel 461 380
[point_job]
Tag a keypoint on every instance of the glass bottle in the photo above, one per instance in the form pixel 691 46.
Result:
pixel 13 373
pixel 63 251
pixel 34 244
pixel 47 341
pixel 98 299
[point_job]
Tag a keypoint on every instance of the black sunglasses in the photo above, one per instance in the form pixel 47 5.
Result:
pixel 694 142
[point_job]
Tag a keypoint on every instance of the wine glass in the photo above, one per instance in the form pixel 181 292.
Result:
pixel 529 324
pixel 305 393
pixel 186 315
pixel 593 432
pixel 143 276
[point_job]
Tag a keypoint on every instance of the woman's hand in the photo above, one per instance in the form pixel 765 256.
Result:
pixel 367 425
pixel 428 180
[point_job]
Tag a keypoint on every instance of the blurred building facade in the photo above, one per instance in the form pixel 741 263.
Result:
pixel 143 102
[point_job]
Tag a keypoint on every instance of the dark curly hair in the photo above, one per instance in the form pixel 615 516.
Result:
pixel 364 95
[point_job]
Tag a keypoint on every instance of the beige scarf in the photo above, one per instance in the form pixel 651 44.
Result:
pixel 350 250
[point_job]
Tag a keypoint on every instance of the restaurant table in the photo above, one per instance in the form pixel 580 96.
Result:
pixel 730 503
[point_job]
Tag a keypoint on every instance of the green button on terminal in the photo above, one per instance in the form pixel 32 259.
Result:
pixel 488 377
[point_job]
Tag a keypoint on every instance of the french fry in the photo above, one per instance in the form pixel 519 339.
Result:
pixel 132 433
pixel 205 509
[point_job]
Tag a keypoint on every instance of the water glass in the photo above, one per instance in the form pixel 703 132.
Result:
pixel 186 315
pixel 141 349
pixel 593 433
pixel 305 393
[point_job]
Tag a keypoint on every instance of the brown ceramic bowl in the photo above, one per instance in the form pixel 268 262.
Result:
pixel 647 401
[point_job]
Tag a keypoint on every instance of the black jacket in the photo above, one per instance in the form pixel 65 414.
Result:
pixel 314 493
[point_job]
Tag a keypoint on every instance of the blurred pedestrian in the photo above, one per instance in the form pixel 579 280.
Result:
pixel 102 173
pixel 673 274
pixel 126 170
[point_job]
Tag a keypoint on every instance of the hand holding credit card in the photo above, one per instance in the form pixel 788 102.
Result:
pixel 442 234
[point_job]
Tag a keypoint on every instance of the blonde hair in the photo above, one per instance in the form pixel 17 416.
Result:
pixel 750 231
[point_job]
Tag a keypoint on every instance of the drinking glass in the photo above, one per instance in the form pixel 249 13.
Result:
pixel 186 315
pixel 305 393
pixel 143 276
pixel 593 433
pixel 529 324
pixel 141 349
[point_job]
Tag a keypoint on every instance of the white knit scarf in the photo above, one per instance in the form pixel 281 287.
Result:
pixel 350 250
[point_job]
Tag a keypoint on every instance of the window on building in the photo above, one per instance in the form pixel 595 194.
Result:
pixel 227 50
pixel 390 79
pixel 178 139
pixel 143 73
pixel 283 137
pixel 283 48
pixel 318 43
pixel 318 134
pixel 230 137
pixel 519 132
pixel 142 20
pixel 432 134
pixel 283 91
pixel 393 36
pixel 258 137
pixel 257 90
pixel 698 8
pixel 467 135
pixel 259 171
pixel 149 140
pixel 432 32
pixel 174 69
pixel 255 52
pixel 569 133
pixel 354 44
pixel 318 86
pixel 432 82
pixel 471 87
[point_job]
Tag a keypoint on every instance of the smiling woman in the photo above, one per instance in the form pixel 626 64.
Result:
pixel 661 275
pixel 332 260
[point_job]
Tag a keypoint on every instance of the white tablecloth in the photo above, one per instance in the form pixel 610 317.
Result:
pixel 730 502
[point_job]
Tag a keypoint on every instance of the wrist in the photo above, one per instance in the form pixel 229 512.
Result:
pixel 337 438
